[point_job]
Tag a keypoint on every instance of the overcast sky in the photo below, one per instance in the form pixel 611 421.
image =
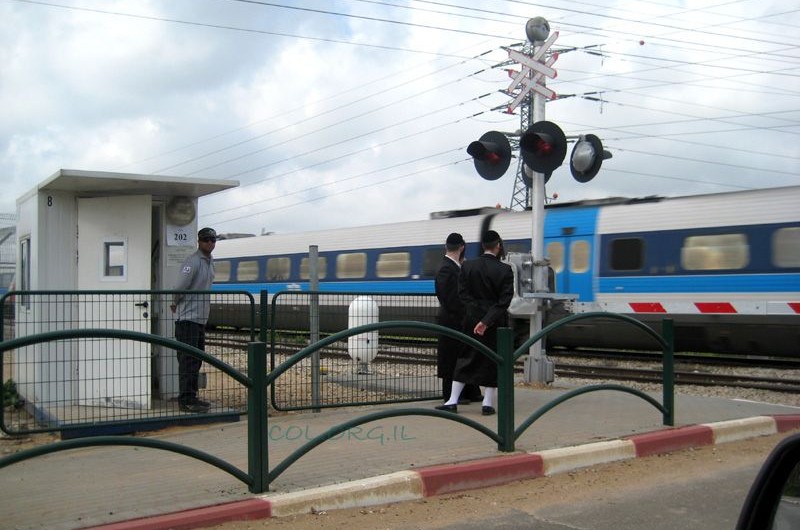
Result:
pixel 334 113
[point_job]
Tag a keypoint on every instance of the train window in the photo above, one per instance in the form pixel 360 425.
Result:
pixel 579 256
pixel 516 247
pixel 352 265
pixel 222 270
pixel 393 265
pixel 627 254
pixel 322 268
pixel 247 271
pixel 278 269
pixel 431 258
pixel 715 252
pixel 786 247
pixel 555 253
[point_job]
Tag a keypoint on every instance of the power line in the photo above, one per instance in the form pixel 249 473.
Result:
pixel 232 28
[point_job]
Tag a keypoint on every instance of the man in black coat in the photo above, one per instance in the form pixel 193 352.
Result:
pixel 486 287
pixel 451 315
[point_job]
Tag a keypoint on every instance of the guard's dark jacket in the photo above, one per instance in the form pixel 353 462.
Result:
pixel 486 287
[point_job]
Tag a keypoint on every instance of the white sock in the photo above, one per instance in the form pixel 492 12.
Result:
pixel 455 393
pixel 488 396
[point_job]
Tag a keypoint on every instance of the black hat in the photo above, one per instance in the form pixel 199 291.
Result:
pixel 490 237
pixel 206 232
pixel 455 239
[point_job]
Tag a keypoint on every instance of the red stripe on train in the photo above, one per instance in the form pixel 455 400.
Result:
pixel 795 306
pixel 647 307
pixel 715 307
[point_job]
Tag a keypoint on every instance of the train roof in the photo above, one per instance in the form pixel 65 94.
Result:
pixel 747 207
pixel 619 214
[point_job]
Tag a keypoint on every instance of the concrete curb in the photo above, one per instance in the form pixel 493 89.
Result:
pixel 441 479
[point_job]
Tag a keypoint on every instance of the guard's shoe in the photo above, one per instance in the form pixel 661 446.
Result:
pixel 487 411
pixel 448 408
pixel 202 403
pixel 193 407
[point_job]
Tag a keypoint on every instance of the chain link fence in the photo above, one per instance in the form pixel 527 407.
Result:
pixel 91 382
pixel 392 366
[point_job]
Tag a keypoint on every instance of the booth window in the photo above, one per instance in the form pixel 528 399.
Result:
pixel 25 270
pixel 114 259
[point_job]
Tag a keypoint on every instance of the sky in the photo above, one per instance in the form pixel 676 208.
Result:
pixel 338 113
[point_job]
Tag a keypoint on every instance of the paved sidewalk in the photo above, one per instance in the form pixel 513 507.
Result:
pixel 385 461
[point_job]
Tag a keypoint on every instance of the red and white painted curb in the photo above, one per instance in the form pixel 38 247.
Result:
pixel 449 478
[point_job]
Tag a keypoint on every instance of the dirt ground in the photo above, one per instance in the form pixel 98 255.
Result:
pixel 570 487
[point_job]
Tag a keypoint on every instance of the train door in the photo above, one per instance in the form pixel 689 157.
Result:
pixel 114 255
pixel 571 260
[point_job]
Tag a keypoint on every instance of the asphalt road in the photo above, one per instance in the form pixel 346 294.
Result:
pixel 709 502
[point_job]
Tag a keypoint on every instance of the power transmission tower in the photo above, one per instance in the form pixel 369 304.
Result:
pixel 521 196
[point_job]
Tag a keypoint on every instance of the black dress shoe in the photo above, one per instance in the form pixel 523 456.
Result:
pixel 448 408
pixel 487 411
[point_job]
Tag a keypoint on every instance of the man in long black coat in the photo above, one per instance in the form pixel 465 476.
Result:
pixel 451 315
pixel 486 287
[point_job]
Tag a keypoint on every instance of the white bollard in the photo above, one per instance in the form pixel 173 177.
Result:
pixel 362 347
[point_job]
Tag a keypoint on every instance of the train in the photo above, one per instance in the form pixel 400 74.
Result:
pixel 724 267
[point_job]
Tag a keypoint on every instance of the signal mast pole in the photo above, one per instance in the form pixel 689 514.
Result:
pixel 537 368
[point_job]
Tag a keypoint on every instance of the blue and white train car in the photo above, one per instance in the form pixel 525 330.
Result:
pixel 725 267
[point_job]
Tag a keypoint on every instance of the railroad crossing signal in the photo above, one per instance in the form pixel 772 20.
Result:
pixel 491 154
pixel 543 147
pixel 587 157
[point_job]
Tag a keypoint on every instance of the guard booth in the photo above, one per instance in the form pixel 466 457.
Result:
pixel 101 231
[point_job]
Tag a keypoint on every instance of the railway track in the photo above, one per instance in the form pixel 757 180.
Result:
pixel 644 375
pixel 691 369
pixel 680 357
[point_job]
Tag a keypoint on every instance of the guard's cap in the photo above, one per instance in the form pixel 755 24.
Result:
pixel 455 239
pixel 206 232
pixel 490 237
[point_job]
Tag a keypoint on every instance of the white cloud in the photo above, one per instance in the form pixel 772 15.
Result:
pixel 703 105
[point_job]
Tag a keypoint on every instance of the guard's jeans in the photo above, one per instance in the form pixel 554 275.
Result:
pixel 193 334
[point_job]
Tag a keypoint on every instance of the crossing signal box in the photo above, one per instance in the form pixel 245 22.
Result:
pixel 543 147
pixel 491 154
pixel 587 157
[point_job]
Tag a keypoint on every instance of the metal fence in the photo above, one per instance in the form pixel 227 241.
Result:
pixel 108 385
pixel 386 366
pixel 102 383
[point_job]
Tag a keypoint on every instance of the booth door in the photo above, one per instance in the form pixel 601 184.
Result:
pixel 114 255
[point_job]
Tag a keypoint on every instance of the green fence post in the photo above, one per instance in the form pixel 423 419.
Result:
pixel 263 305
pixel 505 390
pixel 257 450
pixel 667 331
